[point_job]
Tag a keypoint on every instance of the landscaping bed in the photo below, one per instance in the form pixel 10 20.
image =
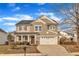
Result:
pixel 5 49
pixel 71 48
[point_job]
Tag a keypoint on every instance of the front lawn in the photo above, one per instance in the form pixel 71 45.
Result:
pixel 5 49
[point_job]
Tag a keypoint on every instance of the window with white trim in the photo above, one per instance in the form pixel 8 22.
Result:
pixel 38 28
pixel 51 27
pixel 25 28
pixel 20 28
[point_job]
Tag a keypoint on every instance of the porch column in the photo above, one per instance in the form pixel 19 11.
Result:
pixel 21 38
pixel 15 38
pixel 35 39
pixel 28 38
pixel 38 40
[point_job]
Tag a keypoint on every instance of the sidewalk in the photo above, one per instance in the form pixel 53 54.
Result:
pixel 75 53
pixel 29 54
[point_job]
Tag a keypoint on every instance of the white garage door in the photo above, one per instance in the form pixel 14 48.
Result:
pixel 48 40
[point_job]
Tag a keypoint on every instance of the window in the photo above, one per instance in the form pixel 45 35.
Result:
pixel 50 27
pixel 38 28
pixel 20 28
pixel 19 37
pixel 25 27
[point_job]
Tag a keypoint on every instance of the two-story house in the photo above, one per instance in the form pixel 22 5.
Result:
pixel 41 31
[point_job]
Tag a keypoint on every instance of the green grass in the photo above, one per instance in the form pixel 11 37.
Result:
pixel 5 49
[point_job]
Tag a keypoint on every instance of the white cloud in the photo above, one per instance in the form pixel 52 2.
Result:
pixel 0 19
pixel 45 13
pixel 42 10
pixel 55 18
pixel 9 24
pixel 51 15
pixel 24 17
pixel 10 18
pixel 26 5
pixel 17 17
pixel 16 9
pixel 11 4
pixel 41 3
pixel 11 28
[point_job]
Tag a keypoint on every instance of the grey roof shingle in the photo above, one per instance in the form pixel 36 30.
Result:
pixel 29 21
pixel 24 22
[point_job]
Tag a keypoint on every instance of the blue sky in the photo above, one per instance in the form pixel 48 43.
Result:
pixel 11 13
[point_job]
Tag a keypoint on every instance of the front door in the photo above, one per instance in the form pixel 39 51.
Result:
pixel 32 39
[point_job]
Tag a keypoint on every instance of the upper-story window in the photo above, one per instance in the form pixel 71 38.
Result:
pixel 51 27
pixel 25 27
pixel 37 28
pixel 20 28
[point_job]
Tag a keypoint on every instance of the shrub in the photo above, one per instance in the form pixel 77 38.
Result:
pixel 13 45
pixel 69 43
pixel 22 43
pixel 64 40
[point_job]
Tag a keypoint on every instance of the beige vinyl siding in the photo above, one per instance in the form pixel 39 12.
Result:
pixel 43 26
pixel 23 29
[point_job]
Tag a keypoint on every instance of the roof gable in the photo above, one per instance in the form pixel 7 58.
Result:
pixel 47 20
pixel 43 19
pixel 39 21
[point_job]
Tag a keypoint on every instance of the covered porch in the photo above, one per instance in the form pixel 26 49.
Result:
pixel 31 38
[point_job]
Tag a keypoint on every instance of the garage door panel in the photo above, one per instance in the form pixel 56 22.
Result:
pixel 48 41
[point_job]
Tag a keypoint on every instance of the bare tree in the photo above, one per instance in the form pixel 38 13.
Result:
pixel 72 17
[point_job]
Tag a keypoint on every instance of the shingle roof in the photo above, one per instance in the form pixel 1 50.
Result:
pixel 41 17
pixel 24 22
pixel 2 31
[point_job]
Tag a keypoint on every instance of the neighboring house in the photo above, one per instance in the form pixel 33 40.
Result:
pixel 3 36
pixel 72 33
pixel 40 31
pixel 64 34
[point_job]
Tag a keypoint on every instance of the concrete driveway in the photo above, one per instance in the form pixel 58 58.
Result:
pixel 53 50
